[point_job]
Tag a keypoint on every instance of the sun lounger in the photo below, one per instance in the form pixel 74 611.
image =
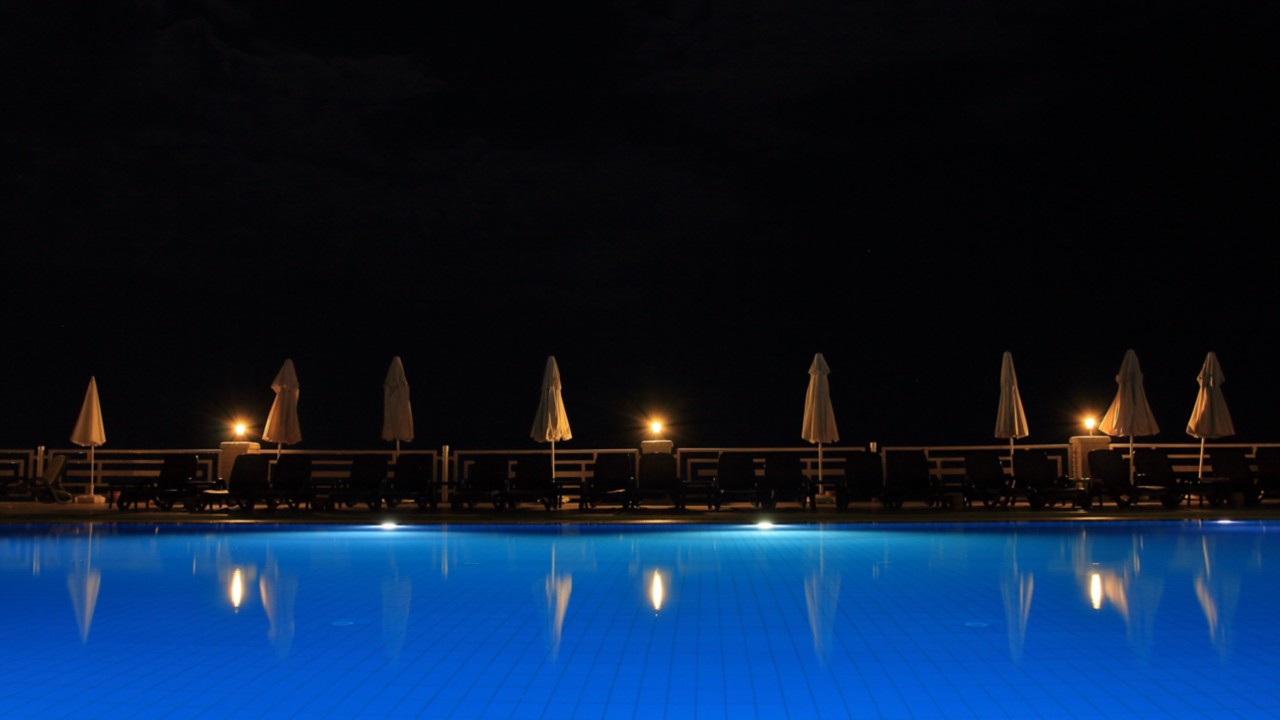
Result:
pixel 484 480
pixel 412 480
pixel 909 477
pixel 1267 459
pixel 1111 468
pixel 863 479
pixel 658 477
pixel 735 479
pixel 784 481
pixel 1036 477
pixel 364 484
pixel 176 481
pixel 612 481
pixel 47 487
pixel 985 480
pixel 1232 464
pixel 534 482
pixel 1153 466
pixel 247 485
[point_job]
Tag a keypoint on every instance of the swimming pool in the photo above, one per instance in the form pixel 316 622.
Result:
pixel 1036 620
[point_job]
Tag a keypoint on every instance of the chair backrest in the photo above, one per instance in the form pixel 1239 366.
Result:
pixel 784 471
pixel 1034 469
pixel 658 472
pixel 411 474
pixel 1109 465
pixel 1231 462
pixel 249 473
pixel 1268 461
pixel 864 475
pixel 532 474
pixel 368 472
pixel 177 470
pixel 907 474
pixel 983 468
pixel 612 471
pixel 1155 466
pixel 489 473
pixel 735 470
pixel 292 474
pixel 48 486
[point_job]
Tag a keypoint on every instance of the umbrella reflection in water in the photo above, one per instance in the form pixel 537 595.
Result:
pixel 1017 588
pixel 821 596
pixel 83 583
pixel 279 594
pixel 559 588
pixel 1217 588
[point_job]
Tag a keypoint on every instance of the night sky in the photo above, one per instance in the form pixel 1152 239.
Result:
pixel 681 200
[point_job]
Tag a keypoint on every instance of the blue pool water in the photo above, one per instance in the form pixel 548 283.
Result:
pixel 1070 620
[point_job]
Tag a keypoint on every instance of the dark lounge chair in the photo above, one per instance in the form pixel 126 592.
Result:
pixel 908 477
pixel 176 481
pixel 735 479
pixel 412 480
pixel 658 477
pixel 1232 464
pixel 291 483
pixel 1267 459
pixel 985 480
pixel 1037 478
pixel 485 480
pixel 533 481
pixel 863 479
pixel 784 481
pixel 612 481
pixel 45 487
pixel 1110 466
pixel 364 484
pixel 1153 466
pixel 248 484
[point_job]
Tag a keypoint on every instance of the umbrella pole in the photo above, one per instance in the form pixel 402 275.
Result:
pixel 1200 466
pixel 554 486
pixel 1131 460
pixel 91 473
pixel 818 484
pixel 396 456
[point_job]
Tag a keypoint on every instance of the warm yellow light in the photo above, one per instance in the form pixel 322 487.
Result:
pixel 656 591
pixel 1095 590
pixel 237 589
pixel 240 429
pixel 1090 423
pixel 656 427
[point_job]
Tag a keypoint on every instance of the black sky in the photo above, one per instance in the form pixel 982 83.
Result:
pixel 682 201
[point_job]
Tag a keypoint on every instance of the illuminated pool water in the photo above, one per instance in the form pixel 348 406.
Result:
pixel 1101 620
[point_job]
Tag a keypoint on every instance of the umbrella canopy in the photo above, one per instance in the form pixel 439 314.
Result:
pixel 1210 417
pixel 89 431
pixel 551 423
pixel 1129 413
pixel 397 413
pixel 282 421
pixel 1011 420
pixel 819 424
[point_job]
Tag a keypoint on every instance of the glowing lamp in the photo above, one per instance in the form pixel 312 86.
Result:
pixel 1091 423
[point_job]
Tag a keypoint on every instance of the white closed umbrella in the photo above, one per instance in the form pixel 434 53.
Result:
pixel 397 413
pixel 1209 417
pixel 282 421
pixel 819 417
pixel 551 424
pixel 1011 420
pixel 89 432
pixel 1129 414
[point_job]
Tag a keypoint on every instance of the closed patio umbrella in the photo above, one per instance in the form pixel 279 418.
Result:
pixel 1011 420
pixel 819 417
pixel 551 423
pixel 1129 413
pixel 282 421
pixel 1209 417
pixel 397 413
pixel 89 432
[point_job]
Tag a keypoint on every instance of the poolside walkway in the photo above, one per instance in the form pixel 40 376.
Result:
pixel 37 512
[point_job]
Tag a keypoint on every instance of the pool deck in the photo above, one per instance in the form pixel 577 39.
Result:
pixel 27 512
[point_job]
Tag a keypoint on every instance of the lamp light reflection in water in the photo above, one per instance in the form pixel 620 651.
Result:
pixel 237 589
pixel 1095 590
pixel 657 591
